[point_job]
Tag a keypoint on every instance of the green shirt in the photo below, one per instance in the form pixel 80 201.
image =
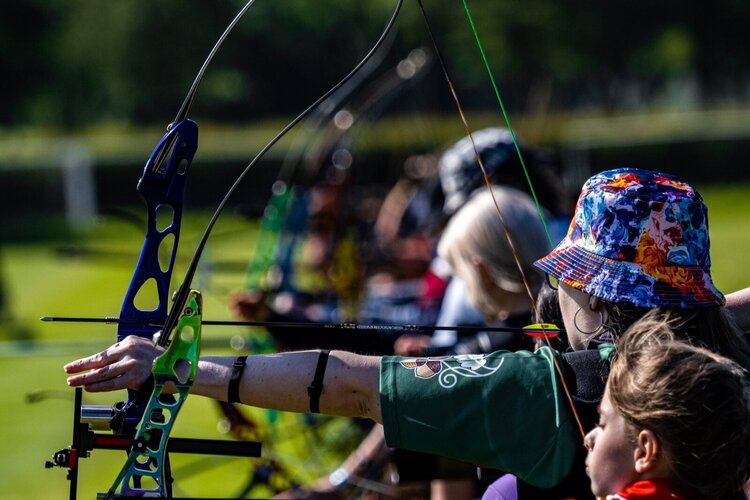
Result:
pixel 505 410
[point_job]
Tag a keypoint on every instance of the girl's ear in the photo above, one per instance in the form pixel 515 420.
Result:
pixel 648 455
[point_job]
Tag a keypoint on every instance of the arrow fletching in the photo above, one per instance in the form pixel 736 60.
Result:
pixel 541 330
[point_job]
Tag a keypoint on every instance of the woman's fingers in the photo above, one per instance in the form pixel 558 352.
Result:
pixel 106 373
pixel 111 378
pixel 94 361
pixel 124 365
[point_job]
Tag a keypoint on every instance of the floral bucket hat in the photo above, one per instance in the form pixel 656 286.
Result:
pixel 637 237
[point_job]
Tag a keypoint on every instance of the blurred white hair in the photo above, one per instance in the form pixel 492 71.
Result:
pixel 476 231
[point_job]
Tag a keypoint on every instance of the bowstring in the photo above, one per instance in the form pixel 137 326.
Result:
pixel 480 46
pixel 488 183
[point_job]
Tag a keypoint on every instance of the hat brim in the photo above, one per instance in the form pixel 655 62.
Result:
pixel 625 282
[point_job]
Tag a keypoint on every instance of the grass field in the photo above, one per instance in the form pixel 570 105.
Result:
pixel 729 216
pixel 40 280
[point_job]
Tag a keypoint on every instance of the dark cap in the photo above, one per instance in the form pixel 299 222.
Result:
pixel 460 174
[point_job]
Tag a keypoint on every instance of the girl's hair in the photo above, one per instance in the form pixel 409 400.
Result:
pixel 694 400
pixel 476 231
pixel 709 327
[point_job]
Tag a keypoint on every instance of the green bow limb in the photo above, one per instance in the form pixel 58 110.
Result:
pixel 178 365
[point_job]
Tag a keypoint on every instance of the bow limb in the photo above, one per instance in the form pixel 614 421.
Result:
pixel 176 366
pixel 281 222
pixel 162 187
pixel 283 194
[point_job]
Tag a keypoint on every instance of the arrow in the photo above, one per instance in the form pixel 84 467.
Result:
pixel 535 330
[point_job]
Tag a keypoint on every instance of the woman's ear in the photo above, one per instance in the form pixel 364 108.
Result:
pixel 594 303
pixel 648 455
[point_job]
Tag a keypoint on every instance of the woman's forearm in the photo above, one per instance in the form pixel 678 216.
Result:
pixel 280 381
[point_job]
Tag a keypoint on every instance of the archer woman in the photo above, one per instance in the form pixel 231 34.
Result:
pixel 638 240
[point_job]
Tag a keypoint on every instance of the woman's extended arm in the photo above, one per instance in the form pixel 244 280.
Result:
pixel 278 381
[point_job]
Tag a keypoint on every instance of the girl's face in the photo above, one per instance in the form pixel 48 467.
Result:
pixel 612 452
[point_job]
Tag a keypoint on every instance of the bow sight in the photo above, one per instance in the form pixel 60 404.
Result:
pixel 89 418
pixel 147 471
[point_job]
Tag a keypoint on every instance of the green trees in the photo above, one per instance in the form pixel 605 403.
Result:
pixel 67 63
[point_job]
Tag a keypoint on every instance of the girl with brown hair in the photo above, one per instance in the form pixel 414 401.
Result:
pixel 674 421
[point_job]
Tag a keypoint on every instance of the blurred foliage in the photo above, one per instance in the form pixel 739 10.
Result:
pixel 71 63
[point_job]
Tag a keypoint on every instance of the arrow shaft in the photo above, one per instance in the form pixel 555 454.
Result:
pixel 303 325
